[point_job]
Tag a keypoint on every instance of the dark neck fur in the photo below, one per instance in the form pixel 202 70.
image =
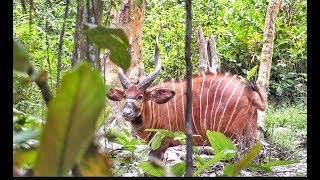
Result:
pixel 137 120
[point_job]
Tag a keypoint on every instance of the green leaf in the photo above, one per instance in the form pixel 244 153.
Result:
pixel 164 132
pixel 71 120
pixel 156 141
pixel 112 134
pixel 247 159
pixel 219 156
pixel 178 169
pixel 279 163
pixel 24 158
pixel 103 116
pixel 227 171
pixel 20 57
pixel 178 135
pixel 251 72
pixel 113 39
pixel 220 142
pixel 200 160
pixel 265 169
pixel 153 170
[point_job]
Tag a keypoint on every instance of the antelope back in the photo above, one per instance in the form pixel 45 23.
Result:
pixel 221 102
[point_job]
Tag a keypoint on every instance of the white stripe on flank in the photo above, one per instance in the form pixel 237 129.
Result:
pixel 175 105
pixel 208 92
pixel 225 87
pixel 192 108
pixel 201 120
pixel 234 109
pixel 168 110
pixel 152 118
pixel 214 100
pixel 225 107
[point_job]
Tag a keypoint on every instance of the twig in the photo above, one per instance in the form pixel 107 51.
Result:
pixel 60 43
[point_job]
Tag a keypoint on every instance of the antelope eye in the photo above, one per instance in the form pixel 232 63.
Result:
pixel 140 97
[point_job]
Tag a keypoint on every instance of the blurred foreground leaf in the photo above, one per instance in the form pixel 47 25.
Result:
pixel 71 121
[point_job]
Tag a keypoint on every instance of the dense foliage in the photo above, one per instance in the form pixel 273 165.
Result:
pixel 238 29
pixel 236 25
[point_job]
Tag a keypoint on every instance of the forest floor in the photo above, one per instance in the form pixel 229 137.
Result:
pixel 270 151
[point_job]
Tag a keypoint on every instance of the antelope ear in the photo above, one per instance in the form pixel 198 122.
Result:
pixel 160 95
pixel 115 94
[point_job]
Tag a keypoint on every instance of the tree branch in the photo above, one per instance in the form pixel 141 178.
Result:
pixel 41 80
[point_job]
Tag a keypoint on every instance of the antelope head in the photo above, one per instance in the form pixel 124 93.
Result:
pixel 135 95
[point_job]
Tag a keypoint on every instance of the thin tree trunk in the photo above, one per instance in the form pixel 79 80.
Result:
pixel 266 55
pixel 87 12
pixel 130 17
pixel 189 159
pixel 60 44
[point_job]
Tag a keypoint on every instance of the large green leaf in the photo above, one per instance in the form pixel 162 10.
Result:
pixel 24 158
pixel 113 39
pixel 219 156
pixel 251 72
pixel 154 170
pixel 178 169
pixel 279 163
pixel 158 137
pixel 71 121
pixel 156 141
pixel 20 57
pixel 220 142
pixel 245 162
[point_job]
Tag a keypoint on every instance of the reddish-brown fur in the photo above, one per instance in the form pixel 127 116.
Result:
pixel 221 102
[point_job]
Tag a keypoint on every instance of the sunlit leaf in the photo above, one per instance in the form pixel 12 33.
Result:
pixel 149 168
pixel 252 72
pixel 113 39
pixel 164 132
pixel 178 135
pixel 71 120
pixel 219 156
pixel 265 169
pixel 156 141
pixel 246 160
pixel 227 170
pixel 178 169
pixel 200 160
pixel 279 163
pixel 93 163
pixel 24 158
pixel 220 142
pixel 20 57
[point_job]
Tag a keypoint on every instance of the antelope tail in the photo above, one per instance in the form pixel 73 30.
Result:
pixel 260 104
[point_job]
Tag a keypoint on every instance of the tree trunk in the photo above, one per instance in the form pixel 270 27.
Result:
pixel 87 12
pixel 208 57
pixel 130 17
pixel 189 159
pixel 266 55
